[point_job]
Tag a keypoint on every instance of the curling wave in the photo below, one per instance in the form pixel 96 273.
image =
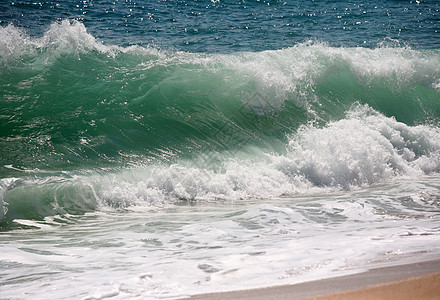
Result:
pixel 86 125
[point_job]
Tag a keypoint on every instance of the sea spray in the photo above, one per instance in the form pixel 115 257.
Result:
pixel 138 103
pixel 360 150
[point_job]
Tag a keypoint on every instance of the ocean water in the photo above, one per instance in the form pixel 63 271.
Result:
pixel 161 149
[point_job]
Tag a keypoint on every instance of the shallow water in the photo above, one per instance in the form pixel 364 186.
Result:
pixel 177 250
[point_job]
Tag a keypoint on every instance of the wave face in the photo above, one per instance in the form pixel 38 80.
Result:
pixel 85 125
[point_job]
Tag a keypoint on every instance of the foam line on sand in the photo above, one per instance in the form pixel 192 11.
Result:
pixel 410 281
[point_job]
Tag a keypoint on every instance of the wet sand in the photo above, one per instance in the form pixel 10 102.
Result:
pixel 411 281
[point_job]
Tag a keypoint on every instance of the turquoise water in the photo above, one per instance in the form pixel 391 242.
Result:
pixel 169 148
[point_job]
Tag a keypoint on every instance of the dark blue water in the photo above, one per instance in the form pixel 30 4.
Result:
pixel 237 25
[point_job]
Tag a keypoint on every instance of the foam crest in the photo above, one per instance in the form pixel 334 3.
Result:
pixel 61 38
pixel 362 149
pixel 165 185
pixel 68 37
pixel 14 43
pixel 72 37
pixel 6 184
pixel 292 74
pixel 296 73
pixel 436 85
pixel 399 63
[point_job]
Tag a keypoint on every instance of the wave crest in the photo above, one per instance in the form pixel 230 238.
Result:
pixel 360 150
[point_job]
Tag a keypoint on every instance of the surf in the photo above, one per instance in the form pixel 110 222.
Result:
pixel 87 126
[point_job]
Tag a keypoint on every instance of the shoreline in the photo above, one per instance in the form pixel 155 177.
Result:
pixel 408 281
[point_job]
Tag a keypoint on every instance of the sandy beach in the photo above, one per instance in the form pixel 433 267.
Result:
pixel 410 281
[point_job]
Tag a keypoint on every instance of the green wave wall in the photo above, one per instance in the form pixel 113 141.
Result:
pixel 74 111
pixel 68 101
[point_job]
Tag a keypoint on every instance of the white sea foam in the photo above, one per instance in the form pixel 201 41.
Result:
pixel 361 181
pixel 61 38
pixel 362 149
pixel 276 74
pixel 5 185
pixel 183 250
